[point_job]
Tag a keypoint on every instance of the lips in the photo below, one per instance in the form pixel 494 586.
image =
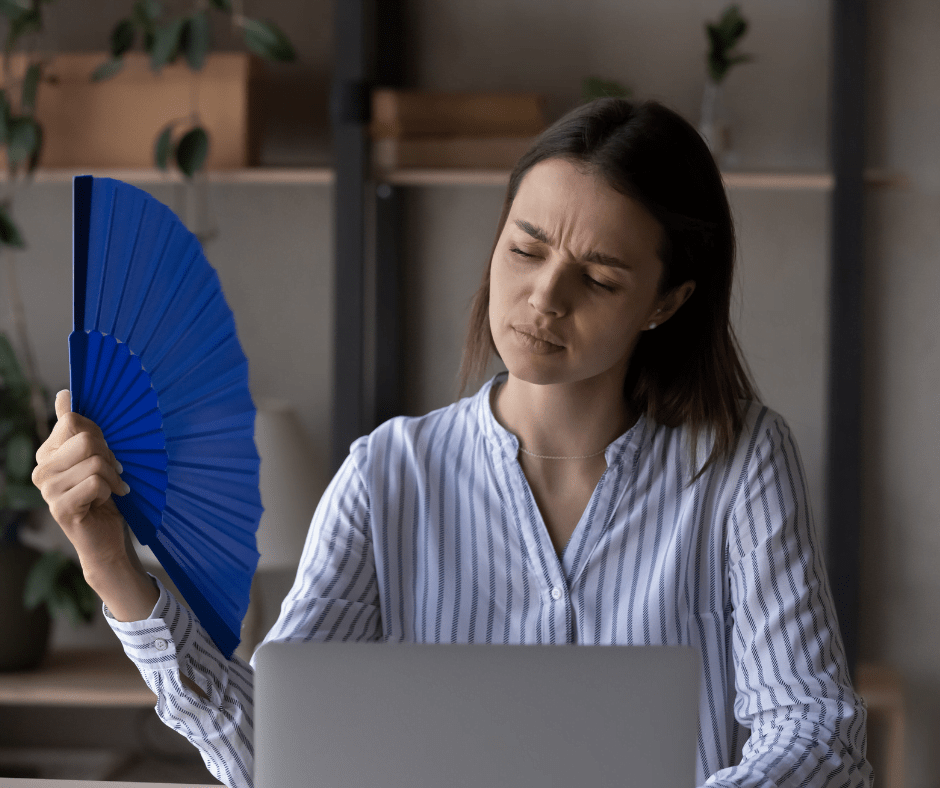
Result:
pixel 539 333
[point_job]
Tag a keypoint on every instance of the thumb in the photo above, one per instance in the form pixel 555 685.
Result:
pixel 63 403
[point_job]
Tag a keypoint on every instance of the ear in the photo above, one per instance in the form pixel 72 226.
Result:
pixel 667 306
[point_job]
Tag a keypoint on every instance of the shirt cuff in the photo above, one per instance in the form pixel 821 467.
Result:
pixel 155 643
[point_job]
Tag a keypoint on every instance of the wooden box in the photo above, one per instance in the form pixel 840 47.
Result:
pixel 498 153
pixel 424 113
pixel 115 123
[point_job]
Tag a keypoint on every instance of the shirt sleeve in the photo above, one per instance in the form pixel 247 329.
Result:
pixel 333 597
pixel 794 692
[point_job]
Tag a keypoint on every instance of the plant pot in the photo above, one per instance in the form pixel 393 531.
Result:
pixel 24 633
pixel 713 125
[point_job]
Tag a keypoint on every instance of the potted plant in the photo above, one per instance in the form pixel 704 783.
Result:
pixel 34 585
pixel 723 37
pixel 187 36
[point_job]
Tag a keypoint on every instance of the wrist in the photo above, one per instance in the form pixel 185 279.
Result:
pixel 129 594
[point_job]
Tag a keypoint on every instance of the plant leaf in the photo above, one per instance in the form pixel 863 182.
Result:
pixel 146 12
pixel 23 141
pixel 122 37
pixel 21 497
pixel 73 594
pixel 12 8
pixel 594 87
pixel 161 150
pixel 21 457
pixel 192 151
pixel 40 582
pixel 734 59
pixel 9 232
pixel 4 118
pixel 267 40
pixel 28 22
pixel 166 43
pixel 37 151
pixel 197 40
pixel 31 85
pixel 11 375
pixel 107 69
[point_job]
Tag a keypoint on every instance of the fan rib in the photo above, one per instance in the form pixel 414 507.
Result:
pixel 150 284
pixel 192 324
pixel 127 268
pixel 104 263
pixel 188 270
pixel 81 225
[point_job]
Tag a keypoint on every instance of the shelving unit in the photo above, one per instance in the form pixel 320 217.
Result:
pixel 364 29
pixel 268 175
pixel 326 176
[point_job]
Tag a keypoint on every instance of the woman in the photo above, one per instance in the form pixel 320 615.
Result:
pixel 618 484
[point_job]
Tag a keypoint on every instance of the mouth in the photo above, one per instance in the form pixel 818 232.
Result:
pixel 540 335
pixel 536 345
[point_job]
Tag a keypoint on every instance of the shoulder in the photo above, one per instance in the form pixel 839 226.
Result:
pixel 414 441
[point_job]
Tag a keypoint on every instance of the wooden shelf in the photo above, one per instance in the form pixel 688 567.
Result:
pixel 820 181
pixel 261 175
pixel 78 677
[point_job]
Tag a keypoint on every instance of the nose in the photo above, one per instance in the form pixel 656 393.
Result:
pixel 550 289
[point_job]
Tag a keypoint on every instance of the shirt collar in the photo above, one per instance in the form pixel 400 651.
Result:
pixel 506 445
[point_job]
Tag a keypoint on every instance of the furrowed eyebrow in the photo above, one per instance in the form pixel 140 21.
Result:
pixel 592 257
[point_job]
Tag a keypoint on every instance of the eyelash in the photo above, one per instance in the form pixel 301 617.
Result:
pixel 590 279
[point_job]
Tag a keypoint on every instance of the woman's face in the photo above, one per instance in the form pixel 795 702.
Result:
pixel 577 260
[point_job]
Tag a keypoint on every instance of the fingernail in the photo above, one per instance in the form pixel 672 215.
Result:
pixel 125 488
pixel 120 468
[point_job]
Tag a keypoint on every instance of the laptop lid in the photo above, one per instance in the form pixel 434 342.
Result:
pixel 371 715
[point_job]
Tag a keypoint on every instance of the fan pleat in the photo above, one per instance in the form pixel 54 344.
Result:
pixel 179 400
pixel 202 537
pixel 211 580
pixel 179 253
pixel 187 284
pixel 155 362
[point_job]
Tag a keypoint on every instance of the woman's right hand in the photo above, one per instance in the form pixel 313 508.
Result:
pixel 77 473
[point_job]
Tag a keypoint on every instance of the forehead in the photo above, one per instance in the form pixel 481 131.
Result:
pixel 571 203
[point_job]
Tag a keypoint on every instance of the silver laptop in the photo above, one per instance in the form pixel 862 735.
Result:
pixel 382 715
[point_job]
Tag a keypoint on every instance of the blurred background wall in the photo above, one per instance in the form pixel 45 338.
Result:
pixel 274 248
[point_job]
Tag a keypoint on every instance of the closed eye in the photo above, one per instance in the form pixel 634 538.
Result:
pixel 593 281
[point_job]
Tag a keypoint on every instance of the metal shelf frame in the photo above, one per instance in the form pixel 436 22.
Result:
pixel 370 45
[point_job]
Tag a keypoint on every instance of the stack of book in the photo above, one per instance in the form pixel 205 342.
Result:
pixel 428 129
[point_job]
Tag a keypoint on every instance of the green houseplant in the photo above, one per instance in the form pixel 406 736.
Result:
pixel 34 585
pixel 169 38
pixel 723 37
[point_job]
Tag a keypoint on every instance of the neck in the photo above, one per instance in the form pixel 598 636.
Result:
pixel 562 419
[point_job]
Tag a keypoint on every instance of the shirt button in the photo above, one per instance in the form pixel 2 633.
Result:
pixel 160 644
pixel 556 593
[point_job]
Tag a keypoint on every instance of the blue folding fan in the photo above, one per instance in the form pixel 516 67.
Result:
pixel 155 362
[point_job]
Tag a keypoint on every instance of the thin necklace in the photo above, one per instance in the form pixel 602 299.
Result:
pixel 546 457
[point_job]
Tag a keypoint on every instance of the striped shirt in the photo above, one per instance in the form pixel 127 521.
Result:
pixel 429 532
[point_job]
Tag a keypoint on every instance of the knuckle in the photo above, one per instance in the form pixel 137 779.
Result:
pixel 86 442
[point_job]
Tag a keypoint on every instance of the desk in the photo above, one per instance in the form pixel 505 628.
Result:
pixel 78 677
pixel 19 782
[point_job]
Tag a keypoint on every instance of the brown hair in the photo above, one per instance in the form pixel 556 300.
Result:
pixel 690 370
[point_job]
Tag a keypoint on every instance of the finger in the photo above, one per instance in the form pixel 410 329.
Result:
pixel 57 486
pixel 69 424
pixel 72 506
pixel 63 403
pixel 52 460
